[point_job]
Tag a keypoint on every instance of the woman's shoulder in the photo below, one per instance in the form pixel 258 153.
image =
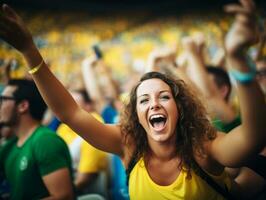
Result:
pixel 205 158
pixel 129 148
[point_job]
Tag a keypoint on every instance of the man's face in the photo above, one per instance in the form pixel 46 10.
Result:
pixel 8 107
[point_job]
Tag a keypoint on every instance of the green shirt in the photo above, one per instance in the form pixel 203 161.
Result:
pixel 226 127
pixel 42 153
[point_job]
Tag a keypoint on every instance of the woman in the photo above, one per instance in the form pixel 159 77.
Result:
pixel 165 137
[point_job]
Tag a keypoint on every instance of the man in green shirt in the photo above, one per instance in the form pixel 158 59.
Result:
pixel 36 163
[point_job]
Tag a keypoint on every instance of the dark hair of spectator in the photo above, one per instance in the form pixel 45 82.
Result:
pixel 221 78
pixel 27 90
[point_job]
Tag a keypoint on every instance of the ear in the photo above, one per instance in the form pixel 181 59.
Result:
pixel 23 106
pixel 224 91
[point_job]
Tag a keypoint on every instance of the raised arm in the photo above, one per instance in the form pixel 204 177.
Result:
pixel 158 59
pixel 93 86
pixel 217 105
pixel 164 61
pixel 91 83
pixel 111 84
pixel 196 68
pixel 104 137
pixel 248 139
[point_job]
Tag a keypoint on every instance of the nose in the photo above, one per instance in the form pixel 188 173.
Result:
pixel 155 105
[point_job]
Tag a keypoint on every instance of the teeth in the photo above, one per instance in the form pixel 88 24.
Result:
pixel 157 116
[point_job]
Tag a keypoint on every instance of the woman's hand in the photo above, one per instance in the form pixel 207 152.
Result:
pixel 244 31
pixel 13 30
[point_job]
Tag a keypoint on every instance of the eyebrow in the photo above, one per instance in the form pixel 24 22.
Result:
pixel 162 91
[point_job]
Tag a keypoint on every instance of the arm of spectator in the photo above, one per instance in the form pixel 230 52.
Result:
pixel 181 72
pixel 104 137
pixel 164 60
pixel 248 139
pixel 83 179
pixel 159 58
pixel 59 185
pixel 216 104
pixel 111 84
pixel 219 58
pixel 196 67
pixel 91 82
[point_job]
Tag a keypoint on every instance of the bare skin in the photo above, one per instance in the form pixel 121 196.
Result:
pixel 225 150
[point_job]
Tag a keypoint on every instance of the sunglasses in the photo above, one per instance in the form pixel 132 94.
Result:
pixel 5 98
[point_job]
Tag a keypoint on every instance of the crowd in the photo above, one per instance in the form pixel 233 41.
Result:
pixel 183 129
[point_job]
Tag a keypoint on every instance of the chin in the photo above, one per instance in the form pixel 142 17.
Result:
pixel 160 137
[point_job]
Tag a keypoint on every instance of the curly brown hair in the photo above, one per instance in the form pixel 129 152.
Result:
pixel 192 128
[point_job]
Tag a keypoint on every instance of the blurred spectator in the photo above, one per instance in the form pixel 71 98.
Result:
pixel 108 105
pixel 165 135
pixel 33 169
pixel 88 162
pixel 102 87
pixel 213 83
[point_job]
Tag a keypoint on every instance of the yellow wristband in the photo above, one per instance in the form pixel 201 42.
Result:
pixel 35 69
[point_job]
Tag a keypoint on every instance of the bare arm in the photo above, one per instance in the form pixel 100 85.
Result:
pixel 104 137
pixel 83 179
pixel 196 68
pixel 216 104
pixel 248 139
pixel 160 58
pixel 59 185
pixel 91 82
pixel 164 60
pixel 111 84
pixel 91 79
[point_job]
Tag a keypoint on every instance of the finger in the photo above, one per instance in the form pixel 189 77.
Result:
pixel 9 11
pixel 248 4
pixel 235 8
pixel 6 20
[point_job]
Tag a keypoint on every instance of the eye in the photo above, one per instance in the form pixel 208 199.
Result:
pixel 142 101
pixel 165 97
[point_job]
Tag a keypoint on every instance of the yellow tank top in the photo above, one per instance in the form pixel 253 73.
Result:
pixel 141 186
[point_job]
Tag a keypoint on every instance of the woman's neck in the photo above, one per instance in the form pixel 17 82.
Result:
pixel 162 151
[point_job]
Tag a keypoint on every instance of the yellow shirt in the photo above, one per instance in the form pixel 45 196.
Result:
pixel 141 186
pixel 86 158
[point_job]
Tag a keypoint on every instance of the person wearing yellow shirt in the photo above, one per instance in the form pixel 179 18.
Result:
pixel 164 124
pixel 87 161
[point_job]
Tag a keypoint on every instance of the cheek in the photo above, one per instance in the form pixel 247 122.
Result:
pixel 4 110
pixel 175 113
pixel 141 116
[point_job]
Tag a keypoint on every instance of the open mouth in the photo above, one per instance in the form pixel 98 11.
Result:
pixel 158 121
